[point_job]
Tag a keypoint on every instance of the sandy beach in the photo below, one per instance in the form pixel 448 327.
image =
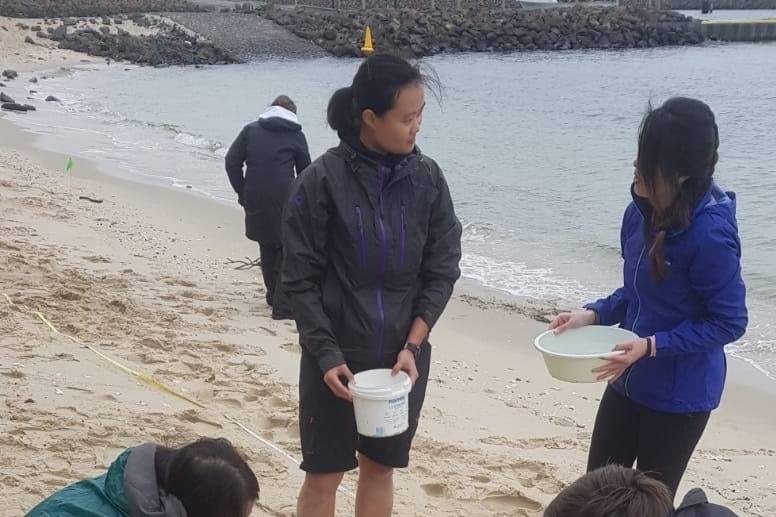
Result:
pixel 143 281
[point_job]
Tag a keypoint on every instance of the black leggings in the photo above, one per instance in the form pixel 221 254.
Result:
pixel 662 442
pixel 271 262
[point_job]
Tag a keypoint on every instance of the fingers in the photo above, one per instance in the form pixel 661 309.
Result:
pixel 413 373
pixel 619 359
pixel 614 379
pixel 560 320
pixel 564 326
pixel 407 366
pixel 340 390
pixel 612 374
pixel 332 380
pixel 609 370
pixel 348 374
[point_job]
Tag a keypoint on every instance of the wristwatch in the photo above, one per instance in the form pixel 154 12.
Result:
pixel 412 347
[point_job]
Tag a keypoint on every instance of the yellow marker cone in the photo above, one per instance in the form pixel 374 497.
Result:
pixel 367 49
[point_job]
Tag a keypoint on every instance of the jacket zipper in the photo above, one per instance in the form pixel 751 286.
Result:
pixel 381 266
pixel 638 312
pixel 403 236
pixel 362 239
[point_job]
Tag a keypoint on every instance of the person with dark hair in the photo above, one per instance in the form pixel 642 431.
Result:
pixel 372 246
pixel 682 293
pixel 261 164
pixel 617 491
pixel 613 491
pixel 206 478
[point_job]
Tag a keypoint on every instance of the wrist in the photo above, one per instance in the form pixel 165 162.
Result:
pixel 651 349
pixel 412 348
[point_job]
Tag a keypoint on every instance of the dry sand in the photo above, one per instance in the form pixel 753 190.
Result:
pixel 143 278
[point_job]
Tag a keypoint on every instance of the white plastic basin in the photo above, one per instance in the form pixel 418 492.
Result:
pixel 572 355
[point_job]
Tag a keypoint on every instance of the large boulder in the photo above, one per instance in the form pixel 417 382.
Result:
pixel 13 106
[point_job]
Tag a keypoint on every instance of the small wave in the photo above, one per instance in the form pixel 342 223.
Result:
pixel 520 280
pixel 477 232
pixel 198 141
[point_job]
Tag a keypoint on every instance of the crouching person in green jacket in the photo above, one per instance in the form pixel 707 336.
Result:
pixel 207 478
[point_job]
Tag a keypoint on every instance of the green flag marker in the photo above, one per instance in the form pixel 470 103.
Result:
pixel 69 165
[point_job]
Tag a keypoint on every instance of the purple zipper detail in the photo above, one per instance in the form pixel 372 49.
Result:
pixel 403 244
pixel 381 270
pixel 362 239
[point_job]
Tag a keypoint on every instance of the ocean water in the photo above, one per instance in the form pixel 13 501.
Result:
pixel 537 148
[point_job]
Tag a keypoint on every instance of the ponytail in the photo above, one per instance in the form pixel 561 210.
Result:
pixel 341 113
pixel 657 255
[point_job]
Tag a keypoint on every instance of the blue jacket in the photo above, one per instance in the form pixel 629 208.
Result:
pixel 693 313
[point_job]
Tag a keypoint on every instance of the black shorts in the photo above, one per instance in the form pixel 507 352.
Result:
pixel 327 424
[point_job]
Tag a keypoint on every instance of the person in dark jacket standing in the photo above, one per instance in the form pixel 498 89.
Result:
pixel 683 293
pixel 272 150
pixel 372 247
pixel 206 478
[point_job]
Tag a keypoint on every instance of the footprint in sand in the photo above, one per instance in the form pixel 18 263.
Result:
pixel 178 281
pixel 155 343
pixel 269 331
pixel 294 348
pixel 96 259
pixel 510 502
pixel 531 475
pixel 278 402
pixel 118 305
pixel 232 402
pixel 191 416
pixel 274 422
pixel 435 489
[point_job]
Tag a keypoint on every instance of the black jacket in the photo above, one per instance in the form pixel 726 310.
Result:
pixel 367 248
pixel 271 148
pixel 695 504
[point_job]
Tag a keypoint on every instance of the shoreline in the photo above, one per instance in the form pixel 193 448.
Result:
pixel 471 291
pixel 150 287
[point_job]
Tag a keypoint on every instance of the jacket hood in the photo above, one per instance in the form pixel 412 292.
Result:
pixel 277 118
pixel 715 201
pixel 143 494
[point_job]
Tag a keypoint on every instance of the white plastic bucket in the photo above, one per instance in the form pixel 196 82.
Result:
pixel 572 355
pixel 381 402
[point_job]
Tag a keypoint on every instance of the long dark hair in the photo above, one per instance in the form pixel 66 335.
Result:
pixel 376 86
pixel 678 145
pixel 613 491
pixel 209 477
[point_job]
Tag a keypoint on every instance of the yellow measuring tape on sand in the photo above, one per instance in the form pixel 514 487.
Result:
pixel 139 375
pixel 160 385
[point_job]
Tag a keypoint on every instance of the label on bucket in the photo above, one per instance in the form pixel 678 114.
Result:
pixel 384 418
pixel 395 418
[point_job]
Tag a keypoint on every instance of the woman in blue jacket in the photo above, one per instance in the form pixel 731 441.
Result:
pixel 683 295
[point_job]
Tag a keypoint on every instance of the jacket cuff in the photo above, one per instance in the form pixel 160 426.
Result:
pixel 600 317
pixel 330 359
pixel 662 343
pixel 428 318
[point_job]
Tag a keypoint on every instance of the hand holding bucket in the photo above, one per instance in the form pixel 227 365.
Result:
pixel 381 402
